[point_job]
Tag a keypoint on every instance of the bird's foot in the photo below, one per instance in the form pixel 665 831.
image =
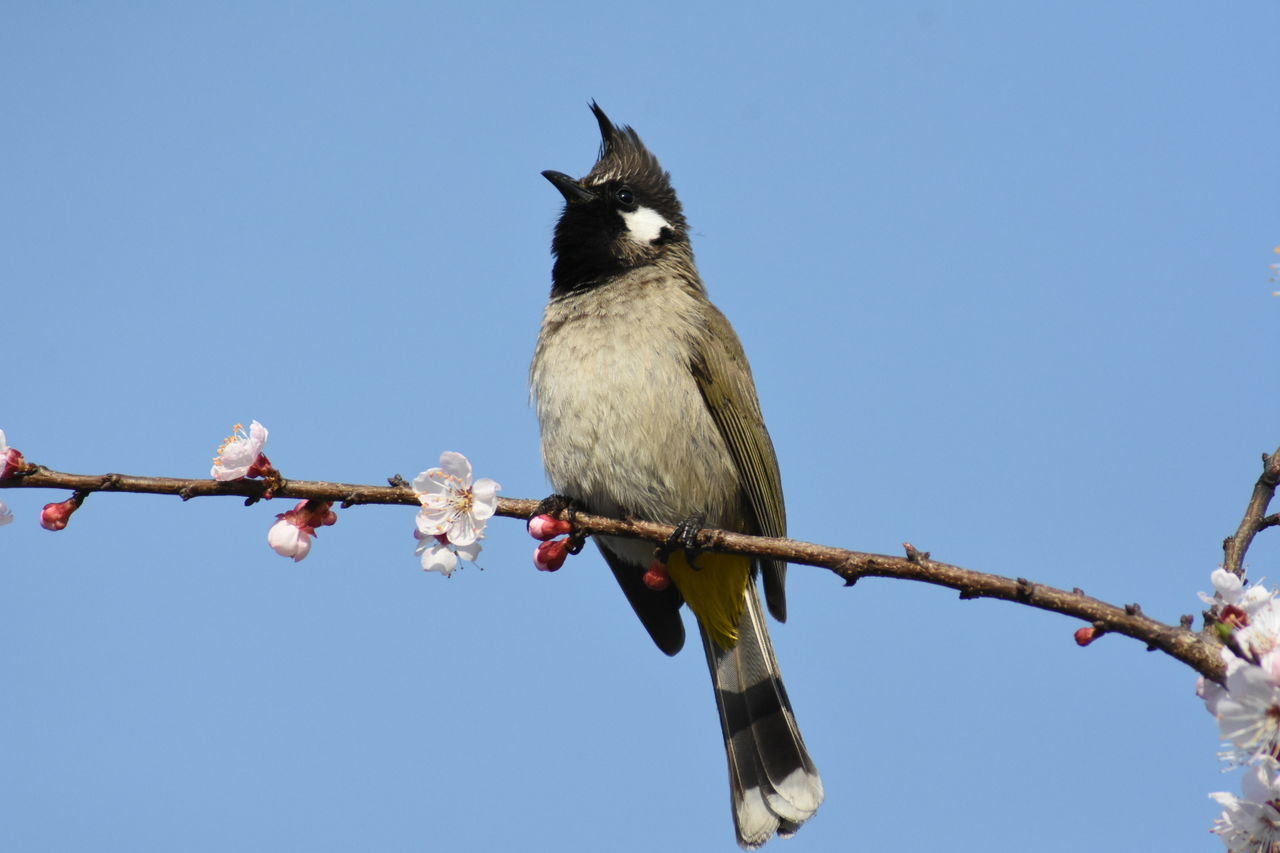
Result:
pixel 685 538
pixel 546 523
pixel 555 504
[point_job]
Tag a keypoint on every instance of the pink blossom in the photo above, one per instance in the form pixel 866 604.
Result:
pixel 240 455
pixel 293 531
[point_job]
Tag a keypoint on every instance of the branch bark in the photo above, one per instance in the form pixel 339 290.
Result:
pixel 1178 641
pixel 1255 517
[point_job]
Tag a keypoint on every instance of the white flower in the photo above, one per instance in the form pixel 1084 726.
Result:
pixel 289 540
pixel 1262 635
pixel 438 555
pixel 6 514
pixel 239 453
pixel 1229 587
pixel 1211 692
pixel 1226 584
pixel 452 505
pixel 1251 824
pixel 1249 714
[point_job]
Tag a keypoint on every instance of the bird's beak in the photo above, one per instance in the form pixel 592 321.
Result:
pixel 573 192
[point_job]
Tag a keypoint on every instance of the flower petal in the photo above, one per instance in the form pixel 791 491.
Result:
pixel 1227 584
pixel 469 552
pixel 289 540
pixel 422 483
pixel 257 437
pixel 464 530
pixel 432 521
pixel 456 465
pixel 484 498
pixel 434 481
pixel 437 558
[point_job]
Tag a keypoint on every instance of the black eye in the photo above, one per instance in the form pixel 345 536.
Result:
pixel 624 195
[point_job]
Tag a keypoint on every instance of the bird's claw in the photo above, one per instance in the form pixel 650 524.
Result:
pixel 685 538
pixel 553 505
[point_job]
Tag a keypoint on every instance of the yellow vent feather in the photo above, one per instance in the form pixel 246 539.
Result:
pixel 716 591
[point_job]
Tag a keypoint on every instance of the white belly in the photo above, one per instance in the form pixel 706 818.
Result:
pixel 624 426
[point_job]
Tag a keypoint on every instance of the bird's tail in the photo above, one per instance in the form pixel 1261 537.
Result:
pixel 774 784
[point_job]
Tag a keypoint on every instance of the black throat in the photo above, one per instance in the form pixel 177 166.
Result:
pixel 585 248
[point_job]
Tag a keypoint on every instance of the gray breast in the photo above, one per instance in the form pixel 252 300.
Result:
pixel 624 425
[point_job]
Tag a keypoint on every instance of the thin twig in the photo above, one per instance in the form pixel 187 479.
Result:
pixel 1255 517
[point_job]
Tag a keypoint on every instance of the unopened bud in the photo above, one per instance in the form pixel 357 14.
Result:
pixel 56 515
pixel 1085 636
pixel 289 540
pixel 657 578
pixel 550 556
pixel 546 527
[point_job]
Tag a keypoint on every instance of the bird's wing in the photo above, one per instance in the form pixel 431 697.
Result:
pixel 724 378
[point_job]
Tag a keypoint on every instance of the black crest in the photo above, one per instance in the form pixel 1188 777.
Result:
pixel 623 156
pixel 592 243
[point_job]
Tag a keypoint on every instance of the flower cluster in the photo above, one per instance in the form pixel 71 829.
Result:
pixel 454 513
pixel 450 524
pixel 241 457
pixel 1247 709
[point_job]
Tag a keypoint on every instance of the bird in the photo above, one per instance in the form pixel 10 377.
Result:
pixel 648 410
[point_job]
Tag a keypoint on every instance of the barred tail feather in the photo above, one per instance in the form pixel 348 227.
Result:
pixel 774 784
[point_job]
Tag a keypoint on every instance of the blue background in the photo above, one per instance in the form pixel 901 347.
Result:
pixel 1002 270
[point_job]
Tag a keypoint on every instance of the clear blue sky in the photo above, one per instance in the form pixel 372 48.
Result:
pixel 1002 272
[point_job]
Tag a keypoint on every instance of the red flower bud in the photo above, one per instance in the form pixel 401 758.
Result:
pixel 550 556
pixel 1085 636
pixel 546 527
pixel 657 578
pixel 55 516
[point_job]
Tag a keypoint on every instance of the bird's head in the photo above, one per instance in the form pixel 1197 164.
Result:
pixel 623 214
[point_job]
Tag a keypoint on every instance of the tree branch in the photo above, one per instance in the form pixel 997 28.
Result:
pixel 1177 641
pixel 1255 519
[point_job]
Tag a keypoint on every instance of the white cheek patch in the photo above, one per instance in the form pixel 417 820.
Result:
pixel 644 224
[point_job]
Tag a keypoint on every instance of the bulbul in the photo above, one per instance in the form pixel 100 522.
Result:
pixel 648 410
